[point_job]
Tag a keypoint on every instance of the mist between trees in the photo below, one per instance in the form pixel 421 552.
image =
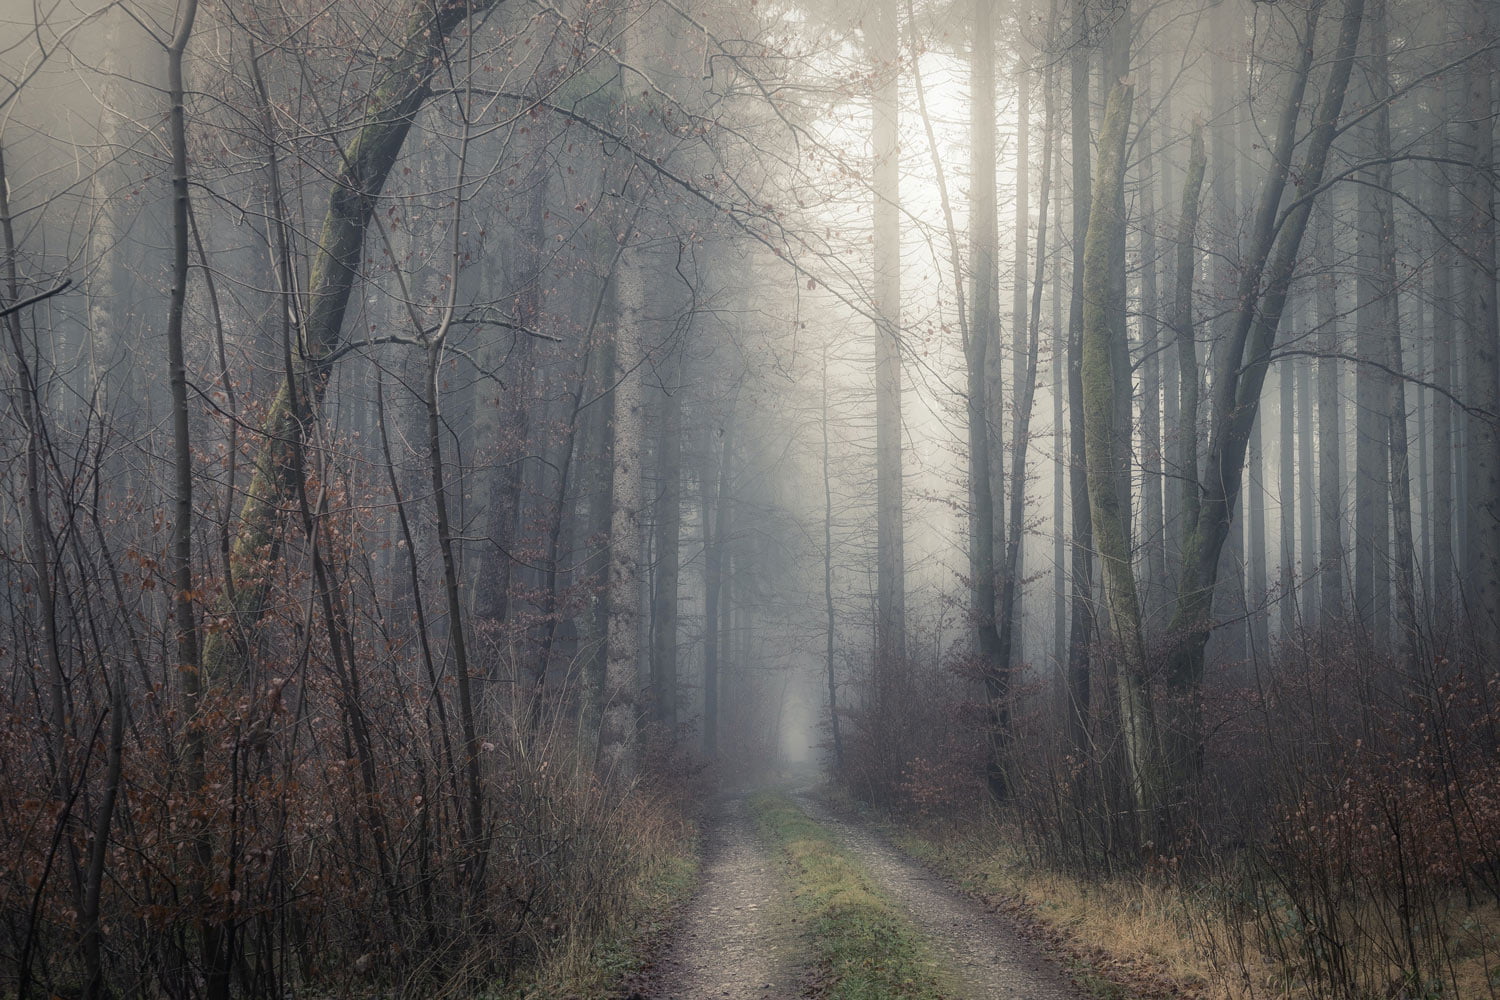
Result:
pixel 442 439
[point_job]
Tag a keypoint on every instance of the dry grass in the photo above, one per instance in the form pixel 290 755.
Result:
pixel 1141 936
pixel 588 960
pixel 1118 936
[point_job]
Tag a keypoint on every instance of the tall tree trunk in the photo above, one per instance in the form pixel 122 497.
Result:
pixel 1397 472
pixel 1061 461
pixel 1081 618
pixel 1116 69
pixel 982 330
pixel 1255 551
pixel 1190 377
pixel 1307 522
pixel 1027 351
pixel 505 421
pixel 623 634
pixel 1330 430
pixel 1101 383
pixel 890 553
pixel 400 88
pixel 1482 353
pixel 1153 533
pixel 828 608
pixel 1021 360
pixel 1287 497
pixel 1440 499
pixel 1231 603
pixel 668 548
pixel 1240 371
pixel 1372 486
pixel 216 935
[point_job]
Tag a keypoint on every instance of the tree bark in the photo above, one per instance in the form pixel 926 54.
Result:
pixel 1240 373
pixel 1373 314
pixel 890 557
pixel 1397 472
pixel 1330 431
pixel 830 635
pixel 401 87
pixel 980 331
pixel 668 548
pixel 1153 533
pixel 1081 618
pixel 1101 382
pixel 1440 499
pixel 1482 353
pixel 623 636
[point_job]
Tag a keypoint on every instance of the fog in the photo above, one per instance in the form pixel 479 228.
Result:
pixel 440 437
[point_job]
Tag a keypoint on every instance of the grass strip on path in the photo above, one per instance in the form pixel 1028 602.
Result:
pixel 865 947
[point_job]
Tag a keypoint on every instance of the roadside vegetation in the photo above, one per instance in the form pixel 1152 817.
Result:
pixel 1345 841
pixel 590 962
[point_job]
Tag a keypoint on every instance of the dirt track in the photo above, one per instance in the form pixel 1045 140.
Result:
pixel 738 938
pixel 983 953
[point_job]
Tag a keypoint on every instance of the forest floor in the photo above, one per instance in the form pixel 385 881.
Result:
pixel 744 935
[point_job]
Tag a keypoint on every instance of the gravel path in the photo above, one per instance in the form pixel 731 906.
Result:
pixel 737 939
pixel 984 954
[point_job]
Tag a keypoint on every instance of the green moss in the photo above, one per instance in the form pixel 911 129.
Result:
pixel 865 948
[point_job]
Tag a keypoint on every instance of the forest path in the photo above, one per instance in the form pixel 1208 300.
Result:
pixel 738 938
pixel 981 951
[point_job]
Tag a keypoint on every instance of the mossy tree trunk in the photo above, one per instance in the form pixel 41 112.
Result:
pixel 401 87
pixel 1103 315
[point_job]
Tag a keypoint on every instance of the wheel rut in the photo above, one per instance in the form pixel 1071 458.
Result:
pixel 738 938
pixel 980 950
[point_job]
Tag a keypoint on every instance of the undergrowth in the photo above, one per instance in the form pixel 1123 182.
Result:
pixel 1140 935
pixel 865 949
pixel 589 963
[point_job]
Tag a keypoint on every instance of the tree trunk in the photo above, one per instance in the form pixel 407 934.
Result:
pixel 1241 367
pixel 1440 499
pixel 1397 472
pixel 1081 618
pixel 1153 533
pixel 623 636
pixel 1256 556
pixel 215 935
pixel 668 549
pixel 1481 360
pixel 401 87
pixel 890 558
pixel 1101 383
pixel 1372 487
pixel 1307 522
pixel 983 329
pixel 1330 431
pixel 1189 377
pixel 1021 362
pixel 1287 497
pixel 830 634
pixel 1027 350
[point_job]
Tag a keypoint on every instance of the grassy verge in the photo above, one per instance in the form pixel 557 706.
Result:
pixel 592 963
pixel 1134 936
pixel 1119 937
pixel 865 949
